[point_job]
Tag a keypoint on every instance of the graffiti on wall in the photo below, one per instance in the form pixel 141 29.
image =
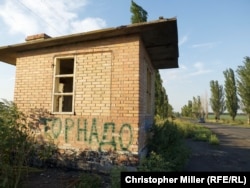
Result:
pixel 88 133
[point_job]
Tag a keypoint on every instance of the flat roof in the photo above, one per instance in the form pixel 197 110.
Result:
pixel 160 38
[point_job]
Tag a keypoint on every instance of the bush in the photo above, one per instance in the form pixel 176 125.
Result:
pixel 214 140
pixel 18 146
pixel 167 151
pixel 15 145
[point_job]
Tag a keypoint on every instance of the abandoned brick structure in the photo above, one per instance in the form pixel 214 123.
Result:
pixel 94 90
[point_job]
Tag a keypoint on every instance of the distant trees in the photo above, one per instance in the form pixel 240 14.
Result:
pixel 196 107
pixel 243 85
pixel 186 110
pixel 217 98
pixel 231 97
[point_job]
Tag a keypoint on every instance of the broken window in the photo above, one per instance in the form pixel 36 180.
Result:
pixel 63 88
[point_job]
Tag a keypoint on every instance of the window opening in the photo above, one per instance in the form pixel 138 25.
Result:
pixel 63 94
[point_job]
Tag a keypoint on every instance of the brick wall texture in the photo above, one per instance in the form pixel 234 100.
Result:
pixel 110 93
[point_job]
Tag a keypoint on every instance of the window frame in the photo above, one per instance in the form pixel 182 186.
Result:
pixel 57 61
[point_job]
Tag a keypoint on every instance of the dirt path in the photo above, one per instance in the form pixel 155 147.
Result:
pixel 232 154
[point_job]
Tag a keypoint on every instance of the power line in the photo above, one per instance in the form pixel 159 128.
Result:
pixel 32 12
pixel 49 6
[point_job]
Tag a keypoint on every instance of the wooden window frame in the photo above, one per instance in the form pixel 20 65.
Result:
pixel 57 105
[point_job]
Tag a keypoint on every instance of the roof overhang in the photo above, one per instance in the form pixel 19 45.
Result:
pixel 160 39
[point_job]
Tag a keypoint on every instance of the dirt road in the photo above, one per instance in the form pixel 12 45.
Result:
pixel 232 154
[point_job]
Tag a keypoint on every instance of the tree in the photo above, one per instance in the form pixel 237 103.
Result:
pixel 231 93
pixel 138 13
pixel 161 99
pixel 170 110
pixel 217 98
pixel 196 107
pixel 243 85
pixel 186 110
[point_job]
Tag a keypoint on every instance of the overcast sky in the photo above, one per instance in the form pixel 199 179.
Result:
pixel 213 35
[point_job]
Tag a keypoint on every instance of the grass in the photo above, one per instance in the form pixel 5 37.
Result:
pixel 214 139
pixel 196 132
pixel 240 119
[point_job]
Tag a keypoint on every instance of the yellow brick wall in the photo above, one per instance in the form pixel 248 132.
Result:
pixel 93 83
pixel 146 118
pixel 109 94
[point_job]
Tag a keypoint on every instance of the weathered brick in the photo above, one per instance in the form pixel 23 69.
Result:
pixel 110 87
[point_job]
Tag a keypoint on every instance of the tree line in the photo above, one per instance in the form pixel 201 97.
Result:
pixel 232 96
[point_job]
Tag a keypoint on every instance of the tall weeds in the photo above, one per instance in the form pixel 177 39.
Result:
pixel 167 151
pixel 15 146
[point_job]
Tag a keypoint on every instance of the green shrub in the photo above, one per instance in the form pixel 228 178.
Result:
pixel 196 132
pixel 155 163
pixel 201 137
pixel 15 145
pixel 214 140
pixel 18 146
pixel 167 151
pixel 201 134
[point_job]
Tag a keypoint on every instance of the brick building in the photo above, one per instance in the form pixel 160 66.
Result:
pixel 95 89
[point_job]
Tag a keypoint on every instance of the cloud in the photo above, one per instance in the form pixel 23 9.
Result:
pixel 87 24
pixel 184 74
pixel 205 45
pixel 16 19
pixel 57 17
pixel 199 69
pixel 173 74
pixel 183 40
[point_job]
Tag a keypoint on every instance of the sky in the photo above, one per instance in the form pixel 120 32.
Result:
pixel 213 35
